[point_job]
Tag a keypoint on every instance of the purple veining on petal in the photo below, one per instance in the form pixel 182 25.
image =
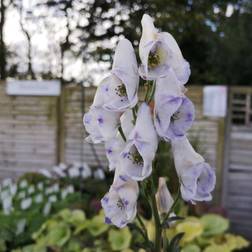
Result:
pixel 109 151
pixel 87 119
pixel 123 223
pixel 105 199
pixel 189 117
pixel 108 220
pixel 100 120
pixel 123 178
pixel 125 154
pixel 126 202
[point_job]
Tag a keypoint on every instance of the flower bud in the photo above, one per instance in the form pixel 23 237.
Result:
pixel 163 197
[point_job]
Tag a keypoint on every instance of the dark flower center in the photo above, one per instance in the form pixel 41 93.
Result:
pixel 153 59
pixel 121 90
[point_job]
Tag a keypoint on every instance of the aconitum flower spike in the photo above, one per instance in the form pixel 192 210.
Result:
pixel 159 52
pixel 141 146
pixel 197 178
pixel 118 91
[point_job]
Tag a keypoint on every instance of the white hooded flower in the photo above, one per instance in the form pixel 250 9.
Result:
pixel 197 178
pixel 118 91
pixel 141 146
pixel 120 203
pixel 115 146
pixel 174 112
pixel 159 52
pixel 163 197
pixel 100 124
pixel 113 149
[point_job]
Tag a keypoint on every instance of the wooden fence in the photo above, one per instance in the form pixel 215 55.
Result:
pixel 237 179
pixel 39 132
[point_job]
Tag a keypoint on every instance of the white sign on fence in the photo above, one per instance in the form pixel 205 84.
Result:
pixel 215 101
pixel 33 87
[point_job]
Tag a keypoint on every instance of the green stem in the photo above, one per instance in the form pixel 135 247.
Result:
pixel 148 91
pixel 142 226
pixel 122 134
pixel 152 92
pixel 158 230
pixel 134 112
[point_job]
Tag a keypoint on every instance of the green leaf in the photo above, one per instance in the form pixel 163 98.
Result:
pixel 174 244
pixel 59 235
pixel 191 248
pixel 214 224
pixel 167 222
pixel 119 239
pixel 96 226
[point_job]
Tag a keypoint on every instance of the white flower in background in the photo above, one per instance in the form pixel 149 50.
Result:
pixel 52 198
pixel 74 172
pixel 25 203
pixel 6 182
pixel 38 198
pixel 64 193
pixel 46 173
pixel 5 194
pixel 21 226
pixel 85 171
pixel 120 203
pixel 13 189
pixel 99 174
pixel 49 190
pixel 47 208
pixel 141 146
pixel 62 166
pixel 70 189
pixel 160 52
pixel 163 197
pixel 23 184
pixel 59 171
pixel 21 195
pixel 31 189
pixel 197 178
pixel 40 186
pixel 173 112
pixel 7 205
pixel 100 124
pixel 56 188
pixel 118 91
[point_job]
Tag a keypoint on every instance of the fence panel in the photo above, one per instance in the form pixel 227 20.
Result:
pixel 237 197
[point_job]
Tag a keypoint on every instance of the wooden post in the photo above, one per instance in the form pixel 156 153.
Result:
pixel 61 127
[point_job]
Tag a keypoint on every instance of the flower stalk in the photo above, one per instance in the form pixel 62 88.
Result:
pixel 131 131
